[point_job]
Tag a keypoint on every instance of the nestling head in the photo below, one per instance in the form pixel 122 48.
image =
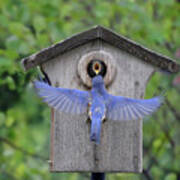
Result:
pixel 96 67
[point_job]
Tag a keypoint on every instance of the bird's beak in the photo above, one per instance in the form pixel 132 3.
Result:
pixel 96 68
pixel 96 71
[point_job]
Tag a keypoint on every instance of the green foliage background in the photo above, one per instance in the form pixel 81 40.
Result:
pixel 28 26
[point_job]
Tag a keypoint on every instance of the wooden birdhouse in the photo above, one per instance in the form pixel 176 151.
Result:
pixel 128 69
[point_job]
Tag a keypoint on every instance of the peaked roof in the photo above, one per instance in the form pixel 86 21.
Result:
pixel 99 32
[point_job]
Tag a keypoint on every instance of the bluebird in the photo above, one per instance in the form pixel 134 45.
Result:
pixel 97 103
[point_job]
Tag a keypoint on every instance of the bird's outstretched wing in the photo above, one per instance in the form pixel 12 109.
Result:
pixel 122 108
pixel 71 101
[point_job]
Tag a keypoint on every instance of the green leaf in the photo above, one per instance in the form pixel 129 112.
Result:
pixel 171 176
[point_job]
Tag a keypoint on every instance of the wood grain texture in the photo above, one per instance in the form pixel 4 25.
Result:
pixel 120 149
pixel 101 33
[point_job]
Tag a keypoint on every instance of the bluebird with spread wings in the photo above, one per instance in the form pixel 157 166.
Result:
pixel 97 103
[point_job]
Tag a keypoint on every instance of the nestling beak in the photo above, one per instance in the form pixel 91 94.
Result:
pixel 97 67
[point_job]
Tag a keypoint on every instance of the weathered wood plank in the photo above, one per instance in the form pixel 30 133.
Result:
pixel 120 149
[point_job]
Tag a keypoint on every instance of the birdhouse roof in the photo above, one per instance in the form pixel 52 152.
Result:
pixel 108 36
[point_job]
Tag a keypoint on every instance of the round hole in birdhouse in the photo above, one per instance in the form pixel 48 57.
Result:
pixel 94 63
pixel 96 67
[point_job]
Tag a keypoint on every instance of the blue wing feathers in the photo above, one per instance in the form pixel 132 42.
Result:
pixel 65 100
pixel 76 102
pixel 122 108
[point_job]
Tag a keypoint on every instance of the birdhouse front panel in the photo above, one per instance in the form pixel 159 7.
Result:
pixel 120 148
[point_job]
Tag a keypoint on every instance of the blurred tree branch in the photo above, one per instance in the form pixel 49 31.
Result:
pixel 166 129
pixel 173 110
pixel 14 146
pixel 146 174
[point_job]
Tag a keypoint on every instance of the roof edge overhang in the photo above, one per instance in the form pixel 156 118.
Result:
pixel 98 32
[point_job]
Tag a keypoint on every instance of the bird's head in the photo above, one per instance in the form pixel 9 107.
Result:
pixel 96 67
pixel 97 81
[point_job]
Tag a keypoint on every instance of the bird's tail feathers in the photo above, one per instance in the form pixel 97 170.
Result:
pixel 95 130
